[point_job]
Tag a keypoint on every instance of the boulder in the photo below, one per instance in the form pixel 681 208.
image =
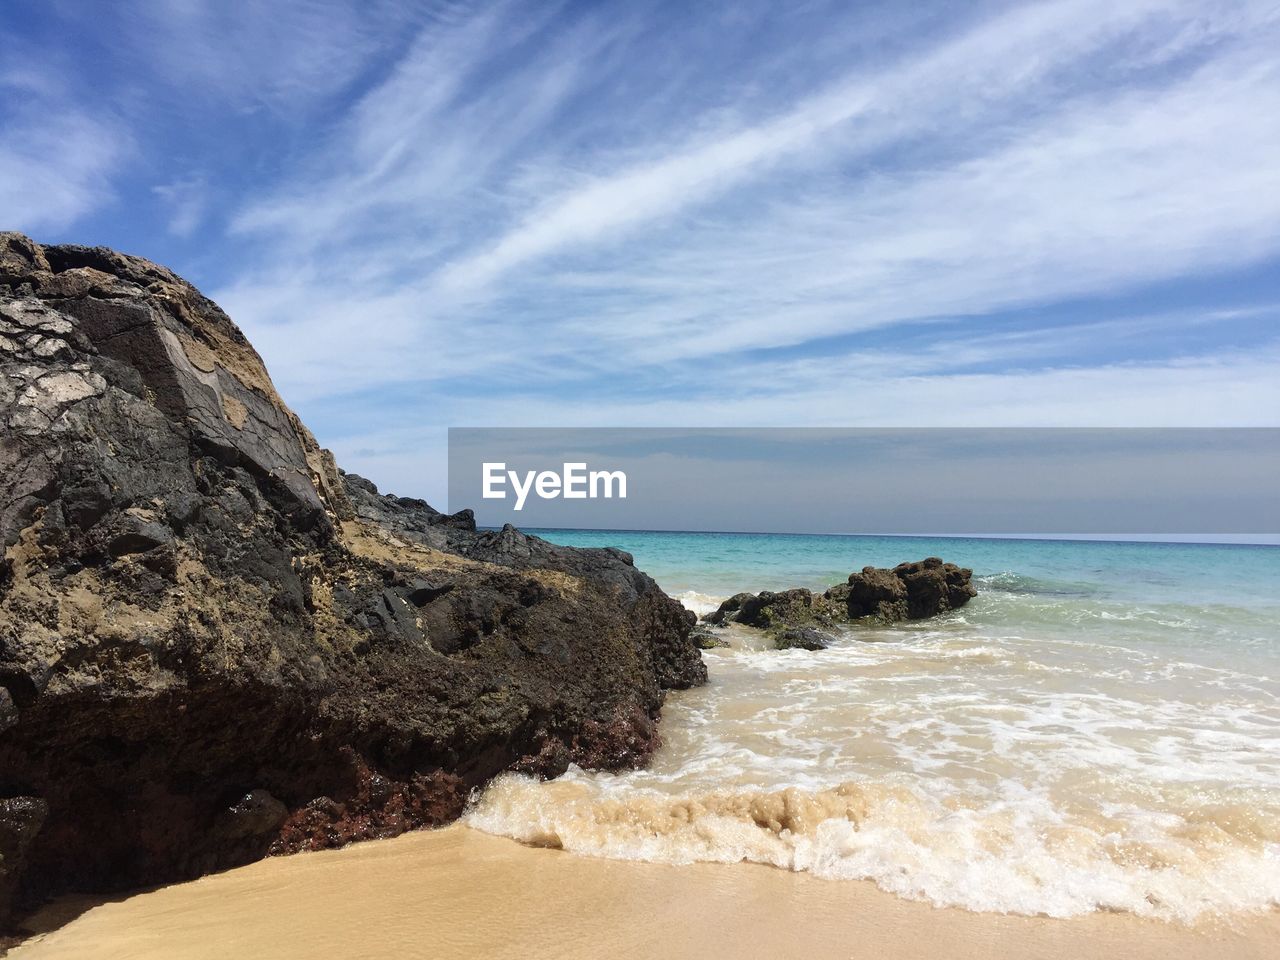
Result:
pixel 728 610
pixel 767 609
pixel 215 644
pixel 910 591
pixel 801 638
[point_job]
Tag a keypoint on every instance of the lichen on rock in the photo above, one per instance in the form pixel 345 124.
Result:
pixel 215 645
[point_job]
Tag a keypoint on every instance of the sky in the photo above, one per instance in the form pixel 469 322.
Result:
pixel 428 215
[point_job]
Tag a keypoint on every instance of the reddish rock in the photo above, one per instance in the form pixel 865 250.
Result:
pixel 215 644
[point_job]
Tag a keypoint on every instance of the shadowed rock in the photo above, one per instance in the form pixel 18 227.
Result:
pixel 801 638
pixel 214 644
pixel 768 609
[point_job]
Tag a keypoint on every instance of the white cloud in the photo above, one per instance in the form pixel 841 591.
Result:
pixel 1005 57
pixel 56 160
pixel 188 202
pixel 1104 197
pixel 280 54
pixel 512 218
pixel 1231 389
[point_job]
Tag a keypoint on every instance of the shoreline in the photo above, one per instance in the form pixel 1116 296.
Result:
pixel 457 892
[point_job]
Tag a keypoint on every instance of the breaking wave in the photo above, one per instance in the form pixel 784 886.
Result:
pixel 1018 855
pixel 1099 729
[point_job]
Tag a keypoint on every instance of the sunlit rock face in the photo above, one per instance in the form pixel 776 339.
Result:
pixel 214 644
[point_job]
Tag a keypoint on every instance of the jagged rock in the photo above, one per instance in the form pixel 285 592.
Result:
pixel 728 610
pixel 801 638
pixel 910 591
pixel 404 515
pixel 214 644
pixel 768 610
pixel 421 592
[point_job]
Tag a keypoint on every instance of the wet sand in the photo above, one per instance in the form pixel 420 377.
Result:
pixel 459 893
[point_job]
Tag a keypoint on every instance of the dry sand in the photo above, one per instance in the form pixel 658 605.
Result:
pixel 458 893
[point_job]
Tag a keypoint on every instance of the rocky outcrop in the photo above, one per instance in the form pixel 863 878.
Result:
pixel 214 644
pixel 800 618
pixel 768 610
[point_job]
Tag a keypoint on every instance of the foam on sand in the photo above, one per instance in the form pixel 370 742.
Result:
pixel 1030 754
pixel 1022 855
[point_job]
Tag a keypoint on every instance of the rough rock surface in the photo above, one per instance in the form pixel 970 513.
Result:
pixel 799 618
pixel 801 638
pixel 910 591
pixel 215 645
pixel 766 610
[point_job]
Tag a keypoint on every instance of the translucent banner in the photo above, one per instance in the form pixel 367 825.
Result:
pixel 875 481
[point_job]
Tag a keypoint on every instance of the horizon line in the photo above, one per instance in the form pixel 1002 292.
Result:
pixel 1274 540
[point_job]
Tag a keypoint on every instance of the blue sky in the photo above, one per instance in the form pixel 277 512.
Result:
pixel 589 214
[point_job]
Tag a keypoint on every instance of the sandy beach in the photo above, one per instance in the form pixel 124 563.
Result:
pixel 459 893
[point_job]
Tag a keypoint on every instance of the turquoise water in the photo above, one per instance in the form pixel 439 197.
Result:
pixel 726 563
pixel 1098 729
pixel 1221 601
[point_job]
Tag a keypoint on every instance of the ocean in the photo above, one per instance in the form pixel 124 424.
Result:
pixel 1099 729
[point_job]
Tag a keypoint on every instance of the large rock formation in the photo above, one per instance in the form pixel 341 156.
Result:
pixel 797 618
pixel 214 644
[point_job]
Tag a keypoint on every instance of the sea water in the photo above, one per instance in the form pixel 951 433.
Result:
pixel 1098 729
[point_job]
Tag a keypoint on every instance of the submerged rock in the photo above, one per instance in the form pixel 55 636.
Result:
pixel 215 644
pixel 799 618
pixel 801 638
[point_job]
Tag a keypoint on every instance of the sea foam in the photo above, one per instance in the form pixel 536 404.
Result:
pixel 1021 855
pixel 1030 756
pixel 1098 730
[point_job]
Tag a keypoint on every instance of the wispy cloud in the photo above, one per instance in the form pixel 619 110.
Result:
pixel 56 157
pixel 1234 388
pixel 1052 151
pixel 1109 195
pixel 1009 58
pixel 443 213
pixel 281 55
pixel 188 202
